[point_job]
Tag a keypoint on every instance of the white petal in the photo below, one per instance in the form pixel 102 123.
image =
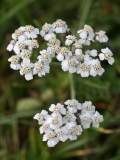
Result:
pixel 42 33
pixel 10 47
pixel 101 56
pixel 94 53
pixel 83 34
pixel 60 57
pixel 78 51
pixel 36 30
pixel 33 35
pixel 28 76
pixel 111 60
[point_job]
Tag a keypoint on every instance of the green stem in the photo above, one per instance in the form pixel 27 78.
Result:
pixel 86 7
pixel 72 88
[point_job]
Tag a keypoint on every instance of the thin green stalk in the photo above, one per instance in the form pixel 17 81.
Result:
pixel 72 88
pixel 85 11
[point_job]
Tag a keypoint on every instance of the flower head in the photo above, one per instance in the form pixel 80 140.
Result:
pixel 101 36
pixel 107 55
pixel 59 26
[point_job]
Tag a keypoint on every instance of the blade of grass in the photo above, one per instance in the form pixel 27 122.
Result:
pixel 14 10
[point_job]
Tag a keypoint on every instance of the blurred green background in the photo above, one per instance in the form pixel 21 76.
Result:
pixel 20 100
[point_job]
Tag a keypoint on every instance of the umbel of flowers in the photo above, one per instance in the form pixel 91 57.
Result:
pixel 71 54
pixel 67 122
pixel 64 122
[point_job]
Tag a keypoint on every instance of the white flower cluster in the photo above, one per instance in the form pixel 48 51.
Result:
pixel 72 55
pixel 23 43
pixel 67 122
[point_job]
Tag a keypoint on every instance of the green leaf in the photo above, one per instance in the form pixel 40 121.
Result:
pixel 27 104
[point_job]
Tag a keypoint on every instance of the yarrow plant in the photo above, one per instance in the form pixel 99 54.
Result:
pixel 67 122
pixel 63 123
pixel 72 54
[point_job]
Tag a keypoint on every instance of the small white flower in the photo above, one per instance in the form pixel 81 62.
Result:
pixel 46 29
pixel 92 53
pixel 54 121
pixel 85 119
pixel 19 46
pixel 70 39
pixel 86 41
pixel 74 130
pixel 40 69
pixel 87 32
pixel 62 134
pixel 45 57
pixel 88 107
pixel 53 49
pixel 70 64
pixel 73 105
pixel 96 68
pixel 32 44
pixel 49 36
pixel 96 119
pixel 107 55
pixel 44 128
pixel 15 62
pixel 26 69
pixel 78 46
pixel 51 137
pixel 58 109
pixel 11 45
pixel 30 31
pixel 41 117
pixel 101 36
pixel 83 69
pixel 53 41
pixel 69 117
pixel 79 56
pixel 25 55
pixel 64 54
pixel 19 35
pixel 59 26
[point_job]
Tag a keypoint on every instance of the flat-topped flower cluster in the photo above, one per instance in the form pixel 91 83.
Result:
pixel 72 55
pixel 67 122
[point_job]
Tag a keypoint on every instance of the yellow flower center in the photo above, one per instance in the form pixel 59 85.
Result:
pixel 97 67
pixel 14 59
pixel 38 67
pixel 80 57
pixel 64 51
pixel 29 28
pixel 50 135
pixel 55 48
pixel 33 43
pixel 107 55
pixel 21 45
pixel 12 42
pixel 78 45
pixel 26 69
pixel 74 129
pixel 59 23
pixel 96 119
pixel 83 67
pixel 53 41
pixel 88 108
pixel 87 28
pixel 18 33
pixel 71 63
pixel 46 27
pixel 55 121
